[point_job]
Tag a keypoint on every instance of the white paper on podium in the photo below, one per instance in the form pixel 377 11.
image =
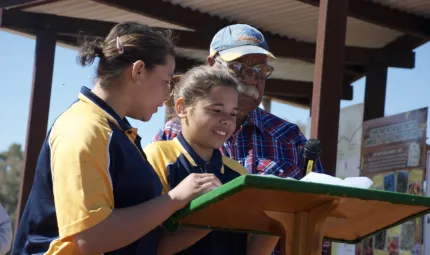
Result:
pixel 356 182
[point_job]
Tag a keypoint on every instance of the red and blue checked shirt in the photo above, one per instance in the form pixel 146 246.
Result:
pixel 265 144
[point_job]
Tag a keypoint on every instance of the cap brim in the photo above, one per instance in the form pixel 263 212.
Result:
pixel 237 52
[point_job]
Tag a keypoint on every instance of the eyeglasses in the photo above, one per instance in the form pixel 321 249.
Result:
pixel 260 71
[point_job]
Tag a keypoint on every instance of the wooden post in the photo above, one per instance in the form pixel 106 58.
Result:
pixel 328 78
pixel 39 112
pixel 376 87
pixel 303 231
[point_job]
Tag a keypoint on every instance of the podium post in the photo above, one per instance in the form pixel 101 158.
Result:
pixel 303 231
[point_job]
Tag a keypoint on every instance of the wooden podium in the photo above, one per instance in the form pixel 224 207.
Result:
pixel 301 213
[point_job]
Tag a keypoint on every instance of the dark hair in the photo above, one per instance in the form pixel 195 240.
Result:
pixel 138 41
pixel 196 84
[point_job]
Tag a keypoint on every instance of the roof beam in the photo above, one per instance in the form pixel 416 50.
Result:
pixel 274 87
pixel 171 13
pixel 300 89
pixel 385 16
pixel 68 26
pixel 302 103
pixel 28 21
pixel 18 3
pixel 280 46
pixel 403 43
pixel 286 48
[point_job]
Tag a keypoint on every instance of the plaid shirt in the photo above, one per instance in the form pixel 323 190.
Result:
pixel 265 144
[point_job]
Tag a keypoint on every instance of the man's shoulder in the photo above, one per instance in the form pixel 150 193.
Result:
pixel 277 127
pixel 169 131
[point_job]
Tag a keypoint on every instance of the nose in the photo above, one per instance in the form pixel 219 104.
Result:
pixel 250 80
pixel 227 120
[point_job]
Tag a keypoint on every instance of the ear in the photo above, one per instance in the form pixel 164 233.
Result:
pixel 138 71
pixel 180 108
pixel 210 61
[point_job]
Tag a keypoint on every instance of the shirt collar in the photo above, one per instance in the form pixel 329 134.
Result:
pixel 215 162
pixel 255 119
pixel 88 96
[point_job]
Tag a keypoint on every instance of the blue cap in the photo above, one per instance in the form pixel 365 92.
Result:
pixel 235 41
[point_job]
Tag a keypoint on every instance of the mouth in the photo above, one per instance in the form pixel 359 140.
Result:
pixel 220 133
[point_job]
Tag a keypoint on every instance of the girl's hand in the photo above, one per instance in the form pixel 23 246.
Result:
pixel 193 186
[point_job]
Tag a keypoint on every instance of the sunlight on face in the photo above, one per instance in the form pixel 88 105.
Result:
pixel 155 90
pixel 213 119
pixel 251 90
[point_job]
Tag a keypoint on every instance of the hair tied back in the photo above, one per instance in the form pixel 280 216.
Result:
pixel 98 50
pixel 119 45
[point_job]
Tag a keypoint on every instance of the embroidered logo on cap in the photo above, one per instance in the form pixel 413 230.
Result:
pixel 250 35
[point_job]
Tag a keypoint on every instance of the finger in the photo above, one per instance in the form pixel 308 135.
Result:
pixel 205 188
pixel 202 175
pixel 201 181
pixel 217 182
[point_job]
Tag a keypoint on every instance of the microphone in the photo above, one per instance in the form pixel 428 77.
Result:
pixel 311 152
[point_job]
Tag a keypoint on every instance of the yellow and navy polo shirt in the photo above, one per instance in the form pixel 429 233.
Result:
pixel 90 163
pixel 173 161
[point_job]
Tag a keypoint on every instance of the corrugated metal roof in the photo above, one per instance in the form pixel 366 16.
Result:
pixel 285 68
pixel 33 37
pixel 290 18
pixel 93 10
pixel 285 17
pixel 417 7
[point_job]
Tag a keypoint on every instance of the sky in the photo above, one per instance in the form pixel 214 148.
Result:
pixel 407 89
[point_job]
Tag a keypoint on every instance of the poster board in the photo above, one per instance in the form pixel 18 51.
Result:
pixel 427 217
pixel 348 156
pixel 394 157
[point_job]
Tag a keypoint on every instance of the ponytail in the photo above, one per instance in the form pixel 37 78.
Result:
pixel 170 101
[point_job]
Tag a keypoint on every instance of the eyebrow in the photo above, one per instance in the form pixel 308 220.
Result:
pixel 216 104
pixel 221 104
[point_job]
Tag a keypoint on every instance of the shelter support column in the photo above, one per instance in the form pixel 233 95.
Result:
pixel 376 87
pixel 328 78
pixel 39 111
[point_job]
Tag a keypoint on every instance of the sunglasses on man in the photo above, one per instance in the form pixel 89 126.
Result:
pixel 242 70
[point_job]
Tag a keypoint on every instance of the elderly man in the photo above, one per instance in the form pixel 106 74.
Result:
pixel 262 142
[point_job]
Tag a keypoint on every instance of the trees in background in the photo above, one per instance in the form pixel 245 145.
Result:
pixel 11 165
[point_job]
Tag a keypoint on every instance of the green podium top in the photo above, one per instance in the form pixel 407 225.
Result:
pixel 239 206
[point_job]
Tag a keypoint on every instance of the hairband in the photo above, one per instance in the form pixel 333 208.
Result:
pixel 119 45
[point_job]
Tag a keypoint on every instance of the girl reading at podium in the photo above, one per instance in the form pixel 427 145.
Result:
pixel 94 192
pixel 206 102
